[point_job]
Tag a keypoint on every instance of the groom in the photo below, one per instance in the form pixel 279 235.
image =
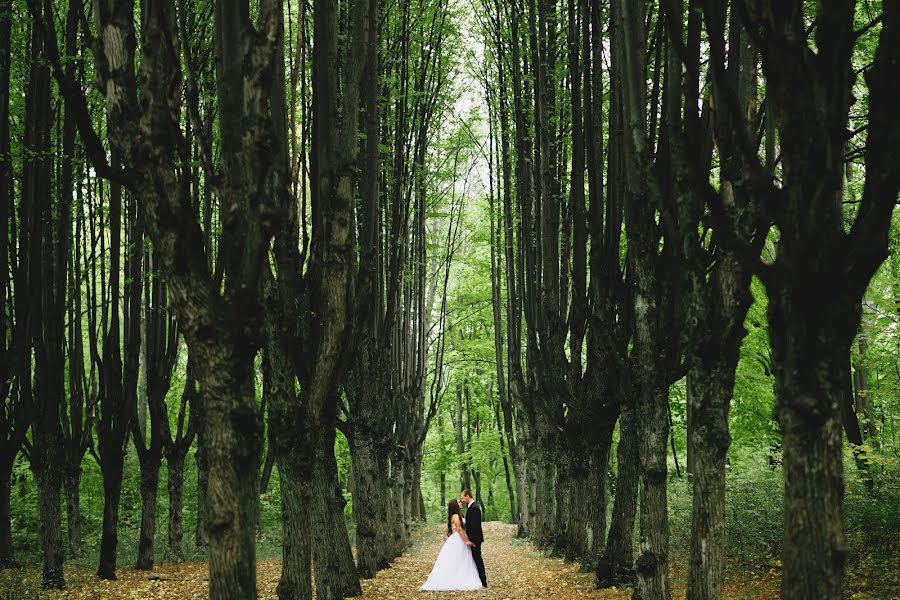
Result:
pixel 473 532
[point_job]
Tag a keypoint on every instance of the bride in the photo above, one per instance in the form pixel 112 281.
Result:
pixel 454 568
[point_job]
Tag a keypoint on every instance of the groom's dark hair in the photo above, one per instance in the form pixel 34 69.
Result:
pixel 466 492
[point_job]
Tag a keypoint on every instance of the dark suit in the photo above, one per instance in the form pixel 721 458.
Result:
pixel 476 536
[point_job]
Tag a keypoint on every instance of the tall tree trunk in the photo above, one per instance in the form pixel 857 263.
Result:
pixel 709 440
pixel 149 493
pixel 120 362
pixel 13 420
pixel 616 563
pixel 176 451
pixel 160 339
pixel 331 276
pixel 47 394
pixel 6 546
pixel 295 582
pixel 816 257
pixel 510 489
pixel 336 575
pixel 651 565
pixel 49 483
pixel 717 297
pixel 495 237
pixel 650 375
pixel 175 489
pixel 112 494
pixel 366 511
pixel 863 400
pixel 288 432
pixel 460 443
pixel 72 485
pixel 77 423
pixel 512 404
pixel 808 412
pixel 201 529
pixel 220 326
pixel 520 382
pixel 233 453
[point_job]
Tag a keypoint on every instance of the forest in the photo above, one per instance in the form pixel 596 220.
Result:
pixel 280 278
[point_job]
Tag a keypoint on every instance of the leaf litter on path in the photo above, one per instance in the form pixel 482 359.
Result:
pixel 516 570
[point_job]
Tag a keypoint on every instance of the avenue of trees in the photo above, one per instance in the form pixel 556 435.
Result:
pixel 623 268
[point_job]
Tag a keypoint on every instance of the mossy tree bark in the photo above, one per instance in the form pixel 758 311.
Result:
pixel 221 330
pixel 42 315
pixel 13 415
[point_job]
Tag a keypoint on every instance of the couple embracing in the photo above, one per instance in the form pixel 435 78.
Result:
pixel 459 565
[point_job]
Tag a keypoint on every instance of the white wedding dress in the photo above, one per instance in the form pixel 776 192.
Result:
pixel 454 568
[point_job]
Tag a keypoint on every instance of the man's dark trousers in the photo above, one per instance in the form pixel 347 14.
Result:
pixel 476 536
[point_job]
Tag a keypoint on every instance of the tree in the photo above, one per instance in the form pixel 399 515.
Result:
pixel 44 314
pixel 13 416
pixel 161 340
pixel 815 256
pixel 219 327
pixel 319 343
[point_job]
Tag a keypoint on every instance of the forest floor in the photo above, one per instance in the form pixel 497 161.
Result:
pixel 515 569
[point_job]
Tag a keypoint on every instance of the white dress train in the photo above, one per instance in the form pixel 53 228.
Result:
pixel 454 569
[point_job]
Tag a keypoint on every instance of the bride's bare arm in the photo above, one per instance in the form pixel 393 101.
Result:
pixel 457 524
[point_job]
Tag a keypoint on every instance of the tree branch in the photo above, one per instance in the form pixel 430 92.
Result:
pixel 75 99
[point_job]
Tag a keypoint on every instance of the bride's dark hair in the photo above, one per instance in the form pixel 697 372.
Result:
pixel 452 509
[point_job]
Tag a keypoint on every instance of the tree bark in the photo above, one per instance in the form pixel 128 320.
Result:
pixel 220 327
pixel 650 376
pixel 815 544
pixel 72 485
pixel 175 488
pixel 616 564
pixel 42 318
pixel 366 500
pixel 336 574
pixel 112 493
pixel 295 582
pixel 176 451
pixel 709 440
pixel 651 565
pixel 13 421
pixel 7 559
pixel 717 296
pixel 149 493
pixel 201 530
pixel 290 440
pixel 863 401
pixel 513 295
pixel 49 482
pixel 460 443
pixel 510 489
pixel 816 258
pixel 370 448
pixel 233 452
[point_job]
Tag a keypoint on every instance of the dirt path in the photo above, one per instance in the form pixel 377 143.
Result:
pixel 515 571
